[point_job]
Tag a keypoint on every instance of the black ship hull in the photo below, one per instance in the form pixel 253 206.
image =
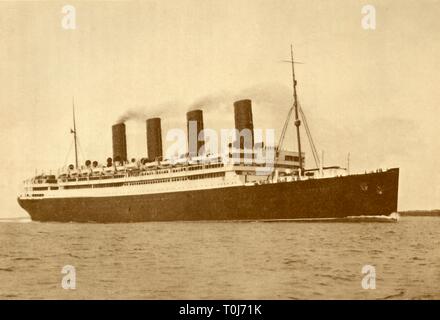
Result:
pixel 338 197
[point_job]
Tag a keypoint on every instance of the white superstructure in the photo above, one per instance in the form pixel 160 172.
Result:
pixel 182 174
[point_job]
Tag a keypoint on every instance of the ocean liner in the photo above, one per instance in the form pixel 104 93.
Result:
pixel 199 186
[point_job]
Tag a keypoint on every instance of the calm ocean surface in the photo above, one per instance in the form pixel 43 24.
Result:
pixel 221 260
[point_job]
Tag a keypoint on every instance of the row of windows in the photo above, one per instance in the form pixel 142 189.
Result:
pixel 195 168
pixel 101 185
pixel 155 172
pixel 292 158
pixel 191 168
pixel 208 166
pixel 153 181
pixel 134 174
pixel 208 175
pixel 120 184
pixel 113 176
pixel 196 177
pixel 84 186
pixel 106 185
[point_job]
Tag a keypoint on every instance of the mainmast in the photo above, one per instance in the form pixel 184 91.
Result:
pixel 74 134
pixel 295 104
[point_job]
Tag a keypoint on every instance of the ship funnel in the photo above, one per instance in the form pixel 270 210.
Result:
pixel 154 139
pixel 196 141
pixel 119 142
pixel 243 121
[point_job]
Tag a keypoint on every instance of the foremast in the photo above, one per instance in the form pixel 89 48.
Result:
pixel 295 105
pixel 74 134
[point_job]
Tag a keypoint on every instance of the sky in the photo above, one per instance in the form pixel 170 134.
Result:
pixel 371 93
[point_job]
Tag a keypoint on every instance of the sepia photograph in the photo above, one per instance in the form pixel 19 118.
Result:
pixel 207 150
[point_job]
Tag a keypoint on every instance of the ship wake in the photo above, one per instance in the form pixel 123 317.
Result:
pixel 393 217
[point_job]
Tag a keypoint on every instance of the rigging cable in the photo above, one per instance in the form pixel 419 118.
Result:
pixel 283 132
pixel 309 136
pixel 68 153
pixel 80 149
pixel 308 132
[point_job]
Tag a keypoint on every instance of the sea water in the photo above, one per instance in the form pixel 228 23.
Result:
pixel 221 260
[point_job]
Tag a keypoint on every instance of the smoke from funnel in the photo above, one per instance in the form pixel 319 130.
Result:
pixel 217 108
pixel 140 113
pixel 267 93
